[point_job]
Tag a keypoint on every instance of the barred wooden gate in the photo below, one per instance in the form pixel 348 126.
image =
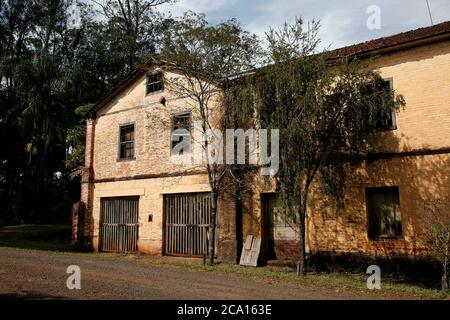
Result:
pixel 187 219
pixel 119 224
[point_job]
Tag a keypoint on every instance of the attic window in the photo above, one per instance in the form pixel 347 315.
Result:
pixel 155 82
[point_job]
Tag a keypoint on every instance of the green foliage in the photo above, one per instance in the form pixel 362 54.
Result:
pixel 132 26
pixel 292 41
pixel 75 140
pixel 322 111
pixel 46 72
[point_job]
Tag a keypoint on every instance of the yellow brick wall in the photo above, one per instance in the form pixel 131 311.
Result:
pixel 345 230
pixel 152 122
pixel 422 76
pixel 335 228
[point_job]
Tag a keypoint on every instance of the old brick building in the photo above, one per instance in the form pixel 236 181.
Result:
pixel 136 198
pixel 410 161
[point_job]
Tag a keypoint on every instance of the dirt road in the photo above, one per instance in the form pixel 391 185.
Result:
pixel 27 274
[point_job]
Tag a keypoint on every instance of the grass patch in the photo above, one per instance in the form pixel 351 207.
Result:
pixel 38 237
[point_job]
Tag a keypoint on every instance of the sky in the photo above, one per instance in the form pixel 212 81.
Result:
pixel 343 22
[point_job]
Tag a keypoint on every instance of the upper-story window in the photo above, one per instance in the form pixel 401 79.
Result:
pixel 126 143
pixel 388 121
pixel 155 82
pixel 383 212
pixel 181 134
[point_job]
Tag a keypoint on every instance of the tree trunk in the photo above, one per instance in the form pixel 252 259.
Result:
pixel 212 229
pixel 444 280
pixel 444 284
pixel 302 232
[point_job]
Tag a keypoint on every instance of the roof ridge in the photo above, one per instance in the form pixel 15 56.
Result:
pixel 353 50
pixel 391 40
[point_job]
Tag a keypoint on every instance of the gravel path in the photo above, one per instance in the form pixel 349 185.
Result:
pixel 42 275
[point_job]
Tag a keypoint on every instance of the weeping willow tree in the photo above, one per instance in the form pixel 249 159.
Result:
pixel 324 113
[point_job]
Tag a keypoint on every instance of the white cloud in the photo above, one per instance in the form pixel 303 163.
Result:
pixel 200 6
pixel 335 19
pixel 343 21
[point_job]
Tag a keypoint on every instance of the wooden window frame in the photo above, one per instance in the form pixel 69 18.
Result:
pixel 172 123
pixel 393 126
pixel 120 142
pixel 380 236
pixel 159 82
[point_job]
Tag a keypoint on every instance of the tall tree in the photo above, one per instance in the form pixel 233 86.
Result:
pixel 33 104
pixel 134 22
pixel 324 113
pixel 47 70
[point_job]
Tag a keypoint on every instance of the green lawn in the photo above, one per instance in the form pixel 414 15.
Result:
pixel 40 237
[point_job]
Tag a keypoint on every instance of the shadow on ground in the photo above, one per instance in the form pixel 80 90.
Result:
pixel 29 295
pixel 40 237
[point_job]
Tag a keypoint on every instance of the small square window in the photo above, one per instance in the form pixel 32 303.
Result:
pixel 155 82
pixel 181 134
pixel 383 211
pixel 126 143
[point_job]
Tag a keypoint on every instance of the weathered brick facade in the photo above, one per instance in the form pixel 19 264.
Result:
pixel 152 173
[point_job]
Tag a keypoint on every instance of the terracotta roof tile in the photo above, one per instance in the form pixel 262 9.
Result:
pixel 390 41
